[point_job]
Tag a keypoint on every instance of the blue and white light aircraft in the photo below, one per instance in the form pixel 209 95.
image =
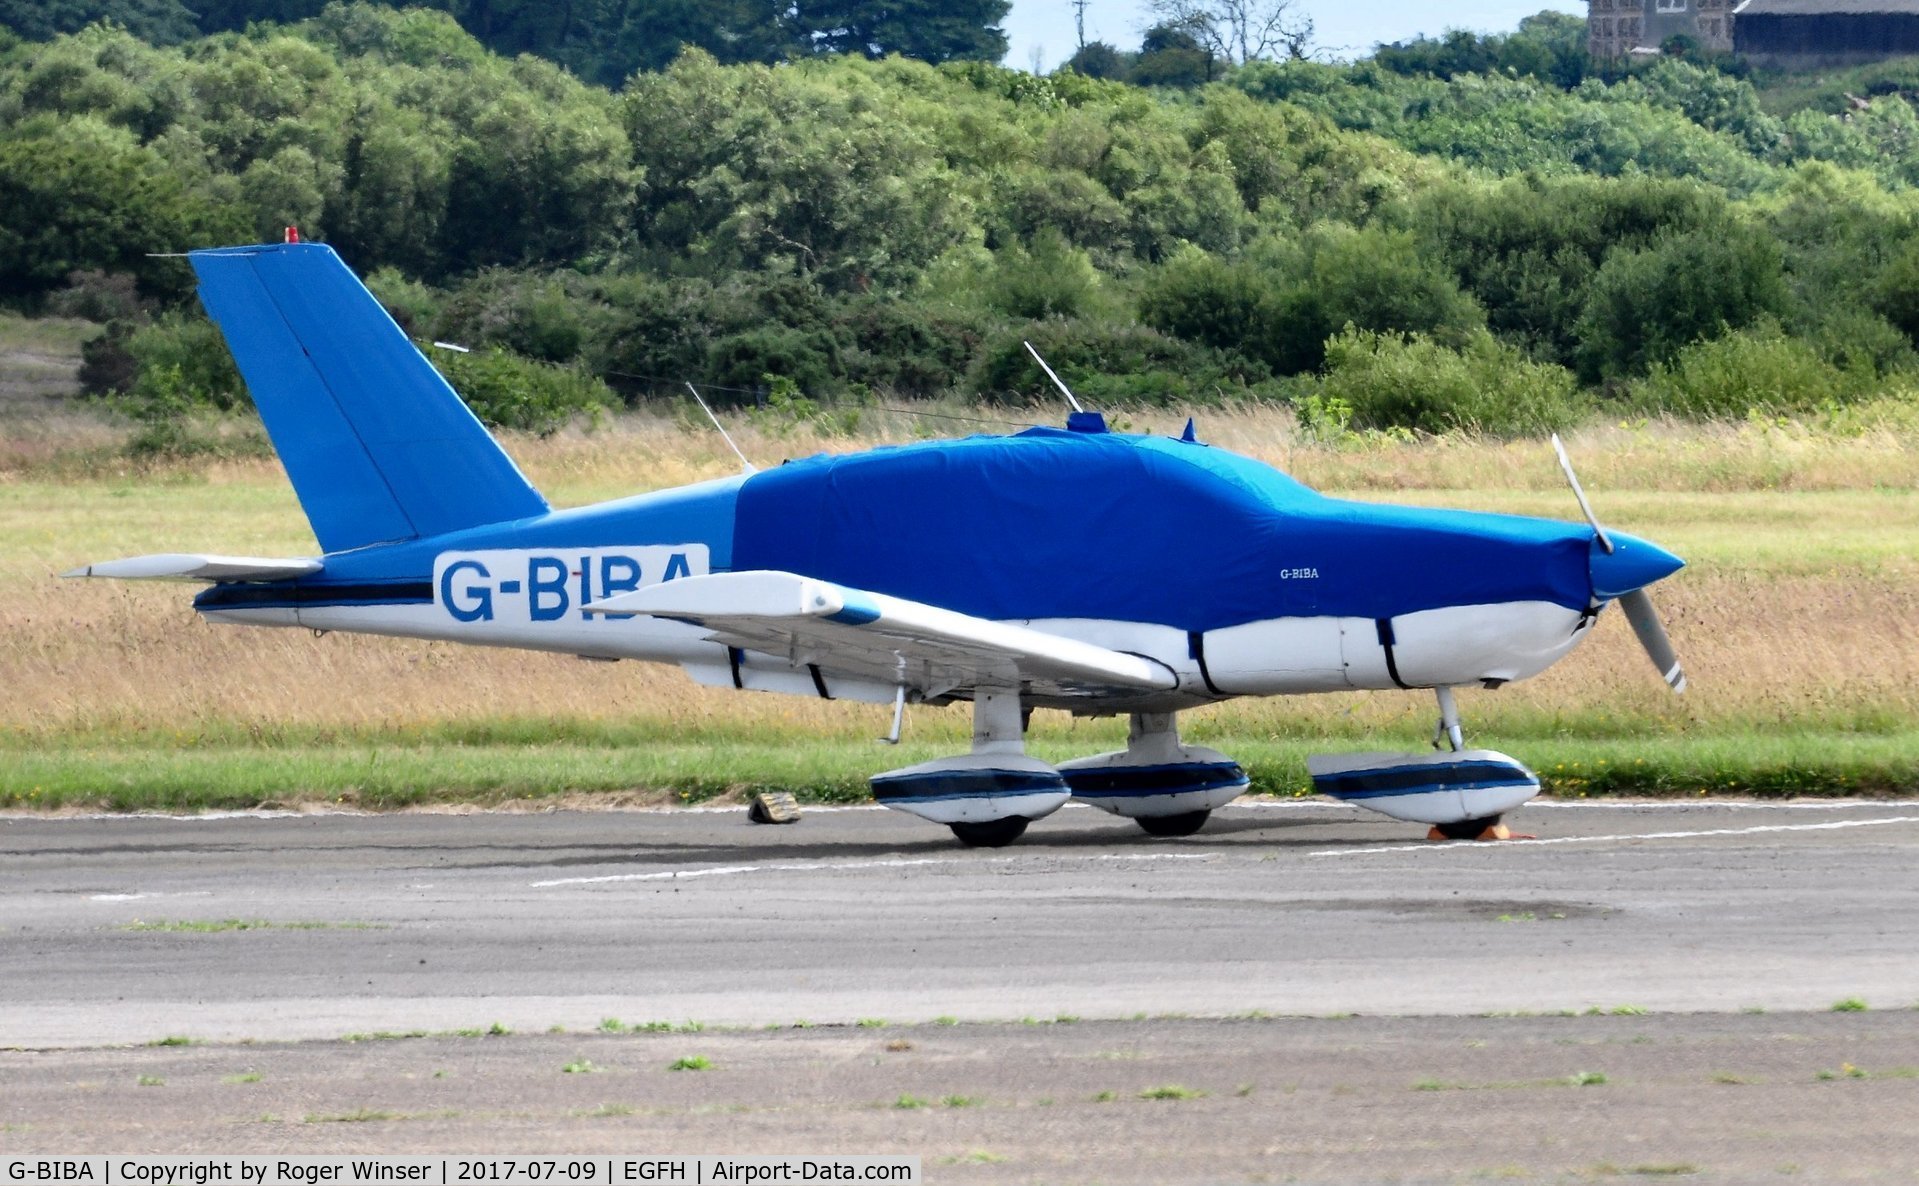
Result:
pixel 1080 569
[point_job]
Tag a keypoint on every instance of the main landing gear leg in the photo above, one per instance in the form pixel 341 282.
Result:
pixel 1486 827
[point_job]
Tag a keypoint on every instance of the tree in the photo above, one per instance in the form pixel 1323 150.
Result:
pixel 1096 59
pixel 1643 307
pixel 649 34
pixel 162 22
pixel 1170 56
pixel 1241 31
pixel 930 30
pixel 84 196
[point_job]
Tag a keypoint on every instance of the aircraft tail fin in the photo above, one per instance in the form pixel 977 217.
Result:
pixel 379 448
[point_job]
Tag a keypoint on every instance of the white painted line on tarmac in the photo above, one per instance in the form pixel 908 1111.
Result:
pixel 1708 804
pixel 842 866
pixel 1634 805
pixel 1430 846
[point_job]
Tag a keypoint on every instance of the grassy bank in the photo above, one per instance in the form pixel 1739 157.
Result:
pixel 375 771
pixel 1798 619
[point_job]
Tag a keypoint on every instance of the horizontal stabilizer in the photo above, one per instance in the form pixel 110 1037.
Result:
pixel 187 566
pixel 890 639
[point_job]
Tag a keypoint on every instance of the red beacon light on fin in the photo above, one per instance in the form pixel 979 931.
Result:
pixel 293 234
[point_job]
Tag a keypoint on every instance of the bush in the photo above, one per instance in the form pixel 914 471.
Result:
pixel 1645 306
pixel 1226 305
pixel 1052 278
pixel 1860 340
pixel 168 367
pixel 1527 248
pixel 1281 312
pixel 190 348
pixel 99 296
pixel 1107 364
pixel 1757 370
pixel 1896 294
pixel 414 306
pixel 506 390
pixel 525 312
pixel 809 358
pixel 1410 381
pixel 903 347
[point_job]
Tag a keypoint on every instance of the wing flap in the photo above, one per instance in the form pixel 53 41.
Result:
pixel 188 566
pixel 810 621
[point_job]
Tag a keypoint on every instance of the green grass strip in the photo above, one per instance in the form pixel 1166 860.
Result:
pixel 377 773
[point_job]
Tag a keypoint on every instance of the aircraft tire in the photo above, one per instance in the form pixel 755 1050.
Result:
pixel 1467 829
pixel 1183 824
pixel 992 833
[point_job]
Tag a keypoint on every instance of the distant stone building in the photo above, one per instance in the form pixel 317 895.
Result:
pixel 1811 34
pixel 1618 28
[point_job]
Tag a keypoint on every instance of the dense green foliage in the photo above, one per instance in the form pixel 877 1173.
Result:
pixel 1476 232
pixel 600 40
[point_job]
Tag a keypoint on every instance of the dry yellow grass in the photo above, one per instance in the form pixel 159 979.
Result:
pixel 1801 608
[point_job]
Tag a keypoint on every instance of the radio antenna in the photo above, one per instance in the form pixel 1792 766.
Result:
pixel 1063 388
pixel 747 465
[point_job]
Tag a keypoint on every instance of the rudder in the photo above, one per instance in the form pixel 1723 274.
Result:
pixel 379 448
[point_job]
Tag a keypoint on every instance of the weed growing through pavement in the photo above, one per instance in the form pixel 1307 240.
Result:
pixel 1171 1091
pixel 973 1157
pixel 357 1116
pixel 496 1030
pixel 693 1062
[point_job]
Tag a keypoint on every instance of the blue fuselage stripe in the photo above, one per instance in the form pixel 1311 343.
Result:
pixel 1127 782
pixel 314 596
pixel 1421 780
pixel 967 784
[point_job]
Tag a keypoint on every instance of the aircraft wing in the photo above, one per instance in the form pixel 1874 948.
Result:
pixel 887 639
pixel 180 566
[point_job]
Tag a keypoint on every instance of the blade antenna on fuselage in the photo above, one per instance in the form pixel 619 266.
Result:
pixel 1057 382
pixel 749 466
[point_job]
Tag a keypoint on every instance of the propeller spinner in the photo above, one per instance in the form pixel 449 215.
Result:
pixel 1621 570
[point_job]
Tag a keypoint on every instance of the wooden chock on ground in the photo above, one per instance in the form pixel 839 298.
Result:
pixel 774 807
pixel 1495 832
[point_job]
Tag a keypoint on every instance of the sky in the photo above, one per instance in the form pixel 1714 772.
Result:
pixel 1341 30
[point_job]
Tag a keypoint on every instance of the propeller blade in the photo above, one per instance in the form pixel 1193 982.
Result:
pixel 1638 609
pixel 1566 463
